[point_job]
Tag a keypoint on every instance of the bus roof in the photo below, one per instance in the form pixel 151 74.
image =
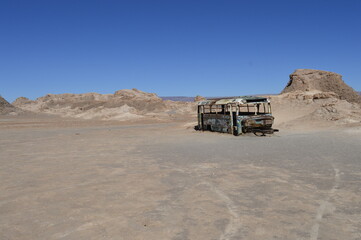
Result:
pixel 235 100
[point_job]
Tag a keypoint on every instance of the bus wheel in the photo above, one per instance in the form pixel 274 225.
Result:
pixel 235 131
pixel 244 130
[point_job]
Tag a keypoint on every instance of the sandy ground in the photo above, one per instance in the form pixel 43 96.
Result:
pixel 67 179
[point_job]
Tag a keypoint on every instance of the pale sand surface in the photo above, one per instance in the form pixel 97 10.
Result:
pixel 71 179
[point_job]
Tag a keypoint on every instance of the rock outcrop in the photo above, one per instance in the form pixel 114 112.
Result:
pixel 6 107
pixel 314 97
pixel 307 80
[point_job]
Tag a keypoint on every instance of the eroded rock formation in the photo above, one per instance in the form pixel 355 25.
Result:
pixel 308 80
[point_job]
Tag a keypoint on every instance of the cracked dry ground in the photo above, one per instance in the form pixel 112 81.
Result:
pixel 162 181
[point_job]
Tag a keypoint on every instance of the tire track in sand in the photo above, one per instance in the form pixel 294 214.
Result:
pixel 323 206
pixel 234 223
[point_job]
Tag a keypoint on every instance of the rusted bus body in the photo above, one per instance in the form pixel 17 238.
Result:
pixel 236 115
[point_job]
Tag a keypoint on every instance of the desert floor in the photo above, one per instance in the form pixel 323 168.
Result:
pixel 67 179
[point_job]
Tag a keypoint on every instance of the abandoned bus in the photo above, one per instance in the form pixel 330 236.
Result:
pixel 236 115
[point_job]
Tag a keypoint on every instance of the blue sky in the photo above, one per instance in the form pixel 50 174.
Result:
pixel 173 47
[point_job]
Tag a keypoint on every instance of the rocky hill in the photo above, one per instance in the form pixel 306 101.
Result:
pixel 126 104
pixel 315 97
pixel 316 80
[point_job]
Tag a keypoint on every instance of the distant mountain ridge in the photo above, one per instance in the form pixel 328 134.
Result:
pixel 191 99
pixel 179 98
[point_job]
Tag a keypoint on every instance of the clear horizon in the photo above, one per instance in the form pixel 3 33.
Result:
pixel 173 48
